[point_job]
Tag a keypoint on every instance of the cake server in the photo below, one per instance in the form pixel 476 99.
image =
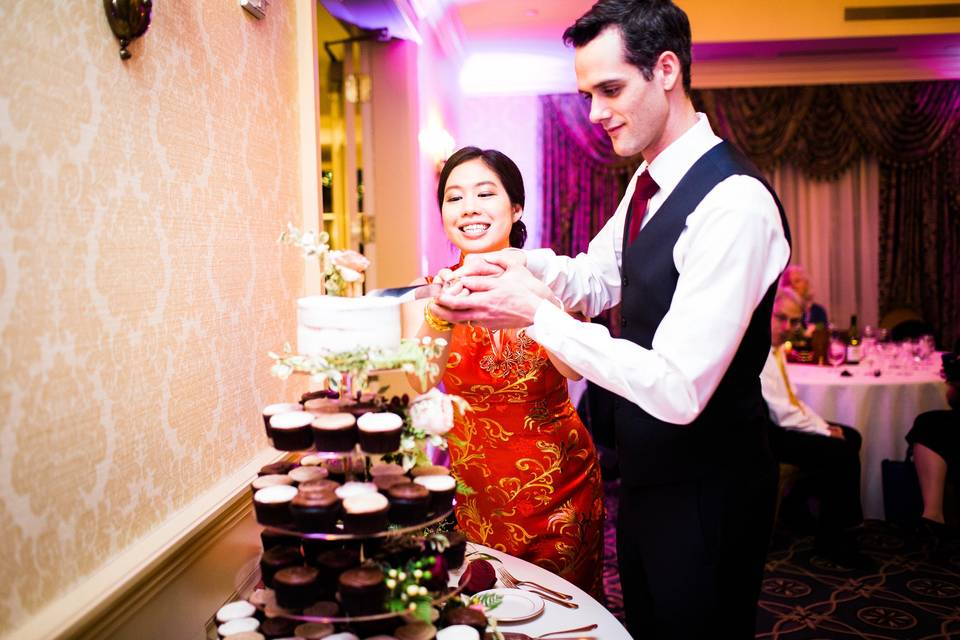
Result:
pixel 407 294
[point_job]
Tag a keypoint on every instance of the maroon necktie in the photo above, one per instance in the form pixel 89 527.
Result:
pixel 644 190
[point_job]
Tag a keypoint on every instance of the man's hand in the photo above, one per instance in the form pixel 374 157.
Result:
pixel 836 432
pixel 507 300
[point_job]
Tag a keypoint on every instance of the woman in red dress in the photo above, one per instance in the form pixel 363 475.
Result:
pixel 528 479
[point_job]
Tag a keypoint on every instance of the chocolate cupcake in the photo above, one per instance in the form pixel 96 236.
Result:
pixel 416 631
pixel 331 564
pixel 234 610
pixel 314 630
pixel 334 432
pixel 441 490
pixel 270 480
pixel 301 474
pixel 236 626
pixel 341 468
pixel 458 632
pixel 365 513
pixel 380 432
pixel 315 511
pixel 362 591
pixel 277 558
pixel 323 485
pixel 467 616
pixel 272 504
pixel 385 469
pixel 383 483
pixel 280 467
pixel 296 587
pixel 275 628
pixel 291 431
pixel 323 609
pixel 320 406
pixel 270 538
pixel 408 503
pixel 457 547
pixel 275 409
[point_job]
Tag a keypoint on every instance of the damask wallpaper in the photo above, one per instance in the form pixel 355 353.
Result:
pixel 140 282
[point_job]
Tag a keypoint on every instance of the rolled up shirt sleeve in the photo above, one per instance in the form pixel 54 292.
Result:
pixel 732 250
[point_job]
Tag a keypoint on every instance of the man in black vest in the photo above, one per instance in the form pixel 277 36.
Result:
pixel 696 286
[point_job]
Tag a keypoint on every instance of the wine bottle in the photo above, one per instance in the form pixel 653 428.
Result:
pixel 854 346
pixel 819 342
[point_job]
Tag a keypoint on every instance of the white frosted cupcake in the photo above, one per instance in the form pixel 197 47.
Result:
pixel 441 490
pixel 334 432
pixel 365 513
pixel 458 632
pixel 272 504
pixel 234 610
pixel 237 625
pixel 270 480
pixel 291 431
pixel 301 475
pixel 273 409
pixel 380 432
pixel 348 489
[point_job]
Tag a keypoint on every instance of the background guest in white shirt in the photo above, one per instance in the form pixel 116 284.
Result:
pixel 696 288
pixel 827 455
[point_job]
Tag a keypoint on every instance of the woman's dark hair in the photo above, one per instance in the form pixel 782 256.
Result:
pixel 648 28
pixel 506 170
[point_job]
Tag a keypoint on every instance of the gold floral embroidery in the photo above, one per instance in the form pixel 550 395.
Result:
pixel 518 357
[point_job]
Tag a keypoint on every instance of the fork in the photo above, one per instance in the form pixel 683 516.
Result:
pixel 589 627
pixel 511 583
pixel 557 594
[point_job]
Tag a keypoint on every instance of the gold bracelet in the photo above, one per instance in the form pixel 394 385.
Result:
pixel 434 322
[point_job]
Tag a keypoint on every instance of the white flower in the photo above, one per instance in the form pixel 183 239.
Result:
pixel 308 238
pixel 281 370
pixel 349 275
pixel 432 413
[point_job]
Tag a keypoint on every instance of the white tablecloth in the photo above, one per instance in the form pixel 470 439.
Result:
pixel 881 408
pixel 554 617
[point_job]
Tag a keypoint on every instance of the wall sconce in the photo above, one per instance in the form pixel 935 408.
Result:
pixel 128 19
pixel 437 143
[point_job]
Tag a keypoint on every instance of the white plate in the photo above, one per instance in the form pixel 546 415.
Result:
pixel 517 605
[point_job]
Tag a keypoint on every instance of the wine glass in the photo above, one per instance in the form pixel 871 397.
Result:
pixel 836 352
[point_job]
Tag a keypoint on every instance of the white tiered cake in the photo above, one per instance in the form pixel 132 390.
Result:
pixel 328 324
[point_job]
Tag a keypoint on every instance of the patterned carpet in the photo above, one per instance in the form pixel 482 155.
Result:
pixel 913 593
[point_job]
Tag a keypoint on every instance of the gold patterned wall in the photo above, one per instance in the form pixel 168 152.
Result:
pixel 140 282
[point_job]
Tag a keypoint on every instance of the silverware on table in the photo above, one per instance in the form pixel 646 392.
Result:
pixel 508 580
pixel 505 576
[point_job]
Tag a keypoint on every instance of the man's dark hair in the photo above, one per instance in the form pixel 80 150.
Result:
pixel 508 172
pixel 648 28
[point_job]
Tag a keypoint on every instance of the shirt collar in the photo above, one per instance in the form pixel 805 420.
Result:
pixel 669 167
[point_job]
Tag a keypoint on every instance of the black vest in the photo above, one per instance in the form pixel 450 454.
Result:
pixel 731 430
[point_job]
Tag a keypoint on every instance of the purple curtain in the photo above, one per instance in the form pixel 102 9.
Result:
pixel 912 129
pixel 583 179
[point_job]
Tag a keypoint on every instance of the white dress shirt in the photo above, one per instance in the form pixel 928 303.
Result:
pixel 730 251
pixel 783 412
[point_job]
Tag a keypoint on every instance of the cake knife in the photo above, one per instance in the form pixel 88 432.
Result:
pixel 407 294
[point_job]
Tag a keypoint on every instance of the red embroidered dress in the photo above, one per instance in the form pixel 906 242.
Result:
pixel 528 468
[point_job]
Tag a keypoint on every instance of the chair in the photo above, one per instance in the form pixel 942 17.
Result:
pixel 904 323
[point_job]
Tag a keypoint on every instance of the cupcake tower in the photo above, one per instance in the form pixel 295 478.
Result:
pixel 339 553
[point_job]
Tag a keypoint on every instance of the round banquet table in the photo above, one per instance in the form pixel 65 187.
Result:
pixel 554 617
pixel 881 408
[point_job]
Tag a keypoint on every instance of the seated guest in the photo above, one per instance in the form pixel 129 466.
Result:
pixel 828 454
pixel 797 279
pixel 935 437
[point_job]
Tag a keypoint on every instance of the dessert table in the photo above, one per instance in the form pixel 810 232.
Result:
pixel 881 408
pixel 554 617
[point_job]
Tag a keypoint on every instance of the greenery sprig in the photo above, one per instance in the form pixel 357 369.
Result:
pixel 336 369
pixel 406 587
